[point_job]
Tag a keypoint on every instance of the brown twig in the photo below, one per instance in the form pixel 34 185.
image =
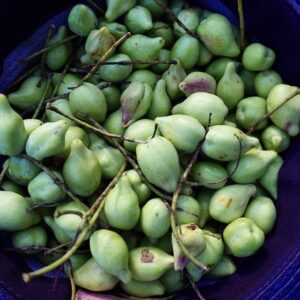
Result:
pixel 104 57
pixel 96 6
pixel 59 247
pixel 266 116
pixel 194 287
pixel 40 52
pixel 242 24
pixel 4 170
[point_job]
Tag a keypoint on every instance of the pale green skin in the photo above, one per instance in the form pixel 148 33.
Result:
pixel 231 87
pixel 141 130
pixel 208 172
pixel 81 170
pixel 187 50
pixel 216 33
pixel 190 18
pixel 205 56
pixel 173 76
pixel 116 8
pixel 155 9
pixel 88 99
pixel 199 105
pixel 155 219
pixel 111 160
pixel 163 30
pixel 43 189
pixel 149 263
pixel 184 132
pixel 286 117
pixel 143 289
pixel 47 140
pixel 69 81
pixel 252 165
pixel 263 212
pixel 29 92
pixel 77 260
pixel 141 47
pixel 70 223
pixel 21 171
pixel 98 42
pixel 116 29
pixel 92 277
pixel 122 206
pixel 188 210
pixel 222 143
pixel 193 239
pixel 138 20
pixel 217 68
pixel 57 57
pixel 177 5
pixel 230 202
pixel 198 82
pixel 140 188
pixel 164 55
pixel 265 81
pixel 10 186
pixel 13 212
pixel 223 268
pixel 159 162
pixel 73 133
pixel 250 110
pixel 64 106
pixel 35 236
pixel 274 138
pixel 60 236
pixel 113 123
pixel 12 130
pixel 243 237
pixel 111 253
pixel 161 103
pixel 144 76
pixel 248 78
pixel 82 20
pixel 257 57
pixel 112 95
pixel 204 198
pixel 115 73
pixel 31 124
pixel 270 180
pixel 135 102
pixel 173 281
pixel 211 255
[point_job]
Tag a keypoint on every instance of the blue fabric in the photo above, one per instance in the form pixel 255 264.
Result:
pixel 272 273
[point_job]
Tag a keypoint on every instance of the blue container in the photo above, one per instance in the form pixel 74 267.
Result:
pixel 273 272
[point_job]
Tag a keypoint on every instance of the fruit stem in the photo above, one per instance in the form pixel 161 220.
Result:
pixel 4 170
pixel 72 282
pixel 194 287
pixel 96 6
pixel 242 24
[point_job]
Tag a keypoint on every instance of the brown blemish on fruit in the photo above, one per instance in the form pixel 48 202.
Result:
pixel 226 201
pixel 147 256
pixel 192 226
pixel 197 86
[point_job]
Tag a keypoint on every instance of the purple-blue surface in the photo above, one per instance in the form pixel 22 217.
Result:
pixel 274 272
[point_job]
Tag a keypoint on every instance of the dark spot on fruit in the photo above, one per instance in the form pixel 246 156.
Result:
pixel 147 256
pixel 192 226
pixel 198 86
pixel 287 126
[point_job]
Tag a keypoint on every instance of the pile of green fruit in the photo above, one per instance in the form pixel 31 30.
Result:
pixel 143 152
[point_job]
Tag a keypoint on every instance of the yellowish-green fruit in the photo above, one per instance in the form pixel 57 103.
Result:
pixel 116 8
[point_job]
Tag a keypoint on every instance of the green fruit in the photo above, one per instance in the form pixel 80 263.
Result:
pixel 164 31
pixel 82 20
pixel 274 138
pixel 31 124
pixel 218 66
pixel 149 263
pixel 243 237
pixel 143 76
pixel 116 29
pixel 223 268
pixel 205 56
pixel 92 277
pixel 68 83
pixel 257 57
pixel 82 171
pixel 12 130
pixel 138 20
pixel 248 78
pixel 173 281
pixel 216 33
pixel 60 236
pixel 122 206
pixel 190 17
pixel 44 190
pixel 47 140
pixel 143 289
pixel 89 99
pixel 13 212
pixel 155 9
pixel 188 210
pixel 164 55
pixel 116 8
pixel 204 198
pixel 113 123
pixel 155 218
pixel 64 106
pixel 112 95
pixel 10 186
pixel 200 105
pixel 111 253
pixel 265 81
pixel 230 202
pixel 159 162
pixel 35 236
pixel 57 57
